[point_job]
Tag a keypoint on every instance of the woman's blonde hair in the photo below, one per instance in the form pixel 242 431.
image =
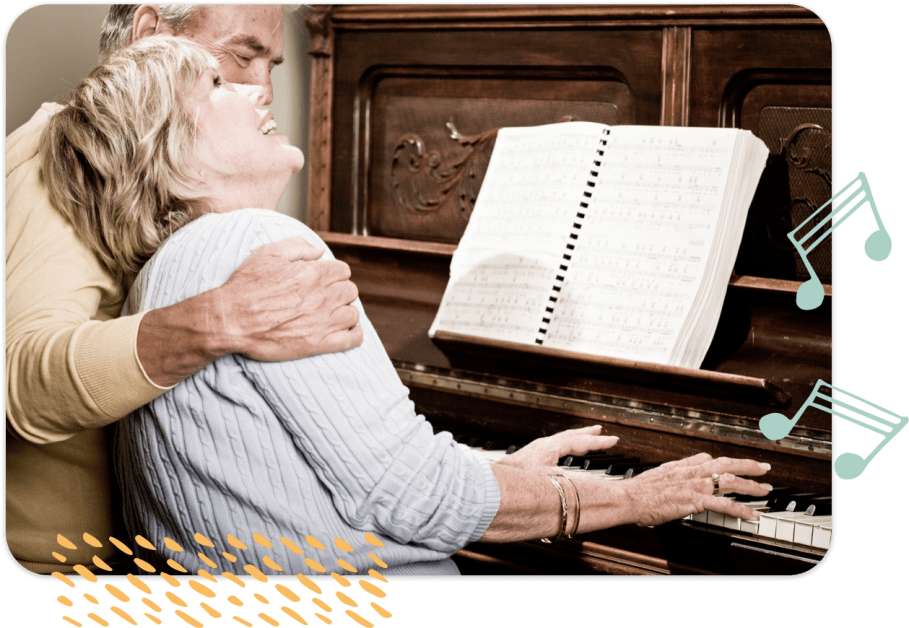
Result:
pixel 117 159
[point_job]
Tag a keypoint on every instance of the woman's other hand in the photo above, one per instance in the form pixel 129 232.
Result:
pixel 542 455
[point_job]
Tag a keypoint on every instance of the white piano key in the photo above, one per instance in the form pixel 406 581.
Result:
pixel 785 526
pixel 803 532
pixel 746 525
pixel 715 518
pixel 787 522
pixel 821 536
pixel 732 522
pixel 700 516
pixel 805 527
pixel 767 525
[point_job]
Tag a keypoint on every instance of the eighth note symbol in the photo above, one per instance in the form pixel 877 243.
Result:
pixel 877 247
pixel 776 426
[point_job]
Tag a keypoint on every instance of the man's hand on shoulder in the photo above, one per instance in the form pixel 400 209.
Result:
pixel 284 303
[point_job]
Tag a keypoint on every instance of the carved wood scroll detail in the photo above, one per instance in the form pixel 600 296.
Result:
pixel 423 183
pixel 801 172
pixel 801 156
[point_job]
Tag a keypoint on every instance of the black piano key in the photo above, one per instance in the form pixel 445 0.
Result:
pixel 820 506
pixel 776 497
pixel 577 460
pixel 741 497
pixel 638 469
pixel 499 443
pixel 609 465
pixel 792 502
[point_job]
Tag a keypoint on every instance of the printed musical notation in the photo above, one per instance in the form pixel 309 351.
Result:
pixel 877 247
pixel 861 412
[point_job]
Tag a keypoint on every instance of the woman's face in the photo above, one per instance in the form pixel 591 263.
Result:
pixel 237 146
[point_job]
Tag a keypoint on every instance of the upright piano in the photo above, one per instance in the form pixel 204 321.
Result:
pixel 405 106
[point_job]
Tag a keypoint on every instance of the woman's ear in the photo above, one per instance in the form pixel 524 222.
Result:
pixel 148 21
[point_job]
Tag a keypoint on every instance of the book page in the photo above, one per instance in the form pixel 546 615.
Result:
pixel 503 269
pixel 640 257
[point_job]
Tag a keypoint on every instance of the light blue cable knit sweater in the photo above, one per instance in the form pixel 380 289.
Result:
pixel 328 447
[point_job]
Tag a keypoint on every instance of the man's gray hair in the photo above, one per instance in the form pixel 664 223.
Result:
pixel 117 29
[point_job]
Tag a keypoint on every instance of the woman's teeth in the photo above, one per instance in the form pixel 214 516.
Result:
pixel 268 127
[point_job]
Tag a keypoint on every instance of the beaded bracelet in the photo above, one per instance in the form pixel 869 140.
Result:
pixel 564 525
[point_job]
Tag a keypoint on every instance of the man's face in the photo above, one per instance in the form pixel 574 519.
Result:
pixel 247 41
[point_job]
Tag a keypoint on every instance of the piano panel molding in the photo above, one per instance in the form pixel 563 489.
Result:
pixel 802 83
pixel 676 75
pixel 320 127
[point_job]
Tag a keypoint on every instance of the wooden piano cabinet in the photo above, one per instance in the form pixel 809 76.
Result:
pixel 406 103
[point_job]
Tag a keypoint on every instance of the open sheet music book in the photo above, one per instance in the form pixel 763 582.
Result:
pixel 612 241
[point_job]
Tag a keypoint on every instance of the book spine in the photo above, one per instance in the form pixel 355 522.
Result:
pixel 573 237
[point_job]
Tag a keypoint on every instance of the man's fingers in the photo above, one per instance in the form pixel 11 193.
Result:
pixel 344 317
pixel 294 249
pixel 331 270
pixel 342 340
pixel 343 292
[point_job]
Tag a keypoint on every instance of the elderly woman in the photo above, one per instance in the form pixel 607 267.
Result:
pixel 156 153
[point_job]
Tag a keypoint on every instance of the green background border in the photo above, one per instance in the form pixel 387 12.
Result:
pixel 863 579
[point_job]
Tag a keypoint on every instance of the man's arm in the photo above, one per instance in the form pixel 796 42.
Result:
pixel 271 309
pixel 70 367
pixel 67 372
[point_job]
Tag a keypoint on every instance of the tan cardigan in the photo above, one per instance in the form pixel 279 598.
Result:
pixel 71 369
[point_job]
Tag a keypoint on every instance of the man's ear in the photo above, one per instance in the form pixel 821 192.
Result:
pixel 147 22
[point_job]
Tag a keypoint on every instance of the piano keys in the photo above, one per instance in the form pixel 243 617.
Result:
pixel 786 514
pixel 806 522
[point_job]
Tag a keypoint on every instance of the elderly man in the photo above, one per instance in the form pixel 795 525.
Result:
pixel 74 367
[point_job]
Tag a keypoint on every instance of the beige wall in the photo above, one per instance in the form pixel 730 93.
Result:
pixel 50 48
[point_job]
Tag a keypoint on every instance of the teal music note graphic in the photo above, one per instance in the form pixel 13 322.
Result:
pixel 877 247
pixel 776 426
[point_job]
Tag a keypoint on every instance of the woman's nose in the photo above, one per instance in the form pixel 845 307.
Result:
pixel 255 93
